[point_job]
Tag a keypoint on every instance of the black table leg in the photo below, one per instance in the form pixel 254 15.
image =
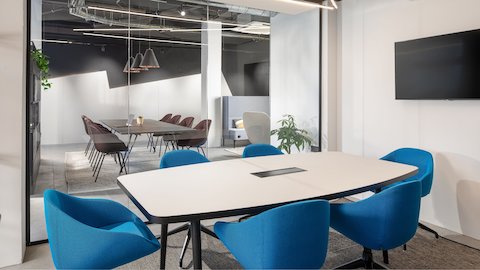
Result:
pixel 163 246
pixel 196 244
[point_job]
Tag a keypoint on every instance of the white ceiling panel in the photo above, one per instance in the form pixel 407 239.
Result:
pixel 282 6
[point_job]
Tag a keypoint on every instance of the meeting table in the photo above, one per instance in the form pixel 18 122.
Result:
pixel 249 186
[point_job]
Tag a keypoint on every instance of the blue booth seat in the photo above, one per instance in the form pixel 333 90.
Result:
pixel 258 150
pixel 293 236
pixel 94 233
pixel 383 221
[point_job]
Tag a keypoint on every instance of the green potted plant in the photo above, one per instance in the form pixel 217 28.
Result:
pixel 290 135
pixel 43 64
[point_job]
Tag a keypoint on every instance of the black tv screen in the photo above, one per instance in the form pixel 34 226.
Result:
pixel 441 67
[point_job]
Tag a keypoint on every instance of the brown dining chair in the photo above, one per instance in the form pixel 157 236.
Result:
pixel 174 120
pixel 198 138
pixel 106 143
pixel 150 144
pixel 87 121
pixel 167 117
pixel 84 120
pixel 172 139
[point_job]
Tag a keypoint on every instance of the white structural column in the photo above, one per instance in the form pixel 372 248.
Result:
pixel 295 70
pixel 12 143
pixel 212 80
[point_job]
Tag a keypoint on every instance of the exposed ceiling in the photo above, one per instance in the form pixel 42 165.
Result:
pixel 292 7
pixel 62 17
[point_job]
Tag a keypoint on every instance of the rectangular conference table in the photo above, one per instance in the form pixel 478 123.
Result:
pixel 149 126
pixel 228 188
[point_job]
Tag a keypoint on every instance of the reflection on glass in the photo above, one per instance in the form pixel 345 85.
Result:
pixel 132 82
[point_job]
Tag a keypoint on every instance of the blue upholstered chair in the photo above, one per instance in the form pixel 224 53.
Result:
pixel 258 150
pixel 178 158
pixel 424 161
pixel 181 158
pixel 293 236
pixel 384 221
pixel 94 233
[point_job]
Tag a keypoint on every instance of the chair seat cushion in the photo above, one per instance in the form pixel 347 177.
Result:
pixel 128 227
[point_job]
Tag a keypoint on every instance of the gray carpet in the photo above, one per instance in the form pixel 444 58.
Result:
pixel 79 175
pixel 423 252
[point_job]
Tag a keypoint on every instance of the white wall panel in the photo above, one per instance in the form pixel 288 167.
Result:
pixel 374 123
pixel 295 69
pixel 12 142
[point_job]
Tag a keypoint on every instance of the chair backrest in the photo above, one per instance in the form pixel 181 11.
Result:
pixel 181 158
pixel 199 137
pixel 84 120
pixel 258 150
pixel 187 122
pixel 419 158
pixel 174 120
pixel 166 118
pixel 204 125
pixel 293 236
pixel 257 127
pixel 81 230
pixel 386 220
pixel 105 141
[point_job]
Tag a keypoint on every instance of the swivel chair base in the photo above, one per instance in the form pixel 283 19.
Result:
pixel 365 262
pixel 187 239
pixel 422 226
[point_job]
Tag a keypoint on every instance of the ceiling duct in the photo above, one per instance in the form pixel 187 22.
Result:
pixel 79 9
pixel 233 8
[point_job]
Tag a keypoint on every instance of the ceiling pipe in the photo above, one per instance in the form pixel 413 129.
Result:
pixel 233 8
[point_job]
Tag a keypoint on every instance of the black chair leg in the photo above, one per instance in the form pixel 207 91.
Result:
pixel 182 228
pixel 385 257
pixel 99 167
pixel 208 231
pixel 88 146
pixel 184 248
pixel 428 229
pixel 365 262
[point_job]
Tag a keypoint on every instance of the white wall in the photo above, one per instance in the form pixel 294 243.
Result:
pixel 373 123
pixel 90 94
pixel 295 69
pixel 212 81
pixel 12 142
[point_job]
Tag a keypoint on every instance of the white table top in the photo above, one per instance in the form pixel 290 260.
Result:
pixel 227 188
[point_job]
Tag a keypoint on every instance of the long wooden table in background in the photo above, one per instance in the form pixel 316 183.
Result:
pixel 149 126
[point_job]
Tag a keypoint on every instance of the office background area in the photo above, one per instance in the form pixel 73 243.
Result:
pixel 337 70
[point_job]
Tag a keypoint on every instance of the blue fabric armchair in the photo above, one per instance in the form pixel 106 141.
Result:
pixel 384 221
pixel 293 236
pixel 94 233
pixel 415 157
pixel 258 150
pixel 181 158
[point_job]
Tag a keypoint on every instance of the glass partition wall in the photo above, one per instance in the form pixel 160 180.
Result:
pixel 129 81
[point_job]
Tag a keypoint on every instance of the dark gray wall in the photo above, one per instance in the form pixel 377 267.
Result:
pixel 236 58
pixel 71 59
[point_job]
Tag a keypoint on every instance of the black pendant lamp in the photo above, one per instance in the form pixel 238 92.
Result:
pixel 149 60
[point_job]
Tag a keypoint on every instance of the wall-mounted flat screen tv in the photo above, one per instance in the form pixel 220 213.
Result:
pixel 441 67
